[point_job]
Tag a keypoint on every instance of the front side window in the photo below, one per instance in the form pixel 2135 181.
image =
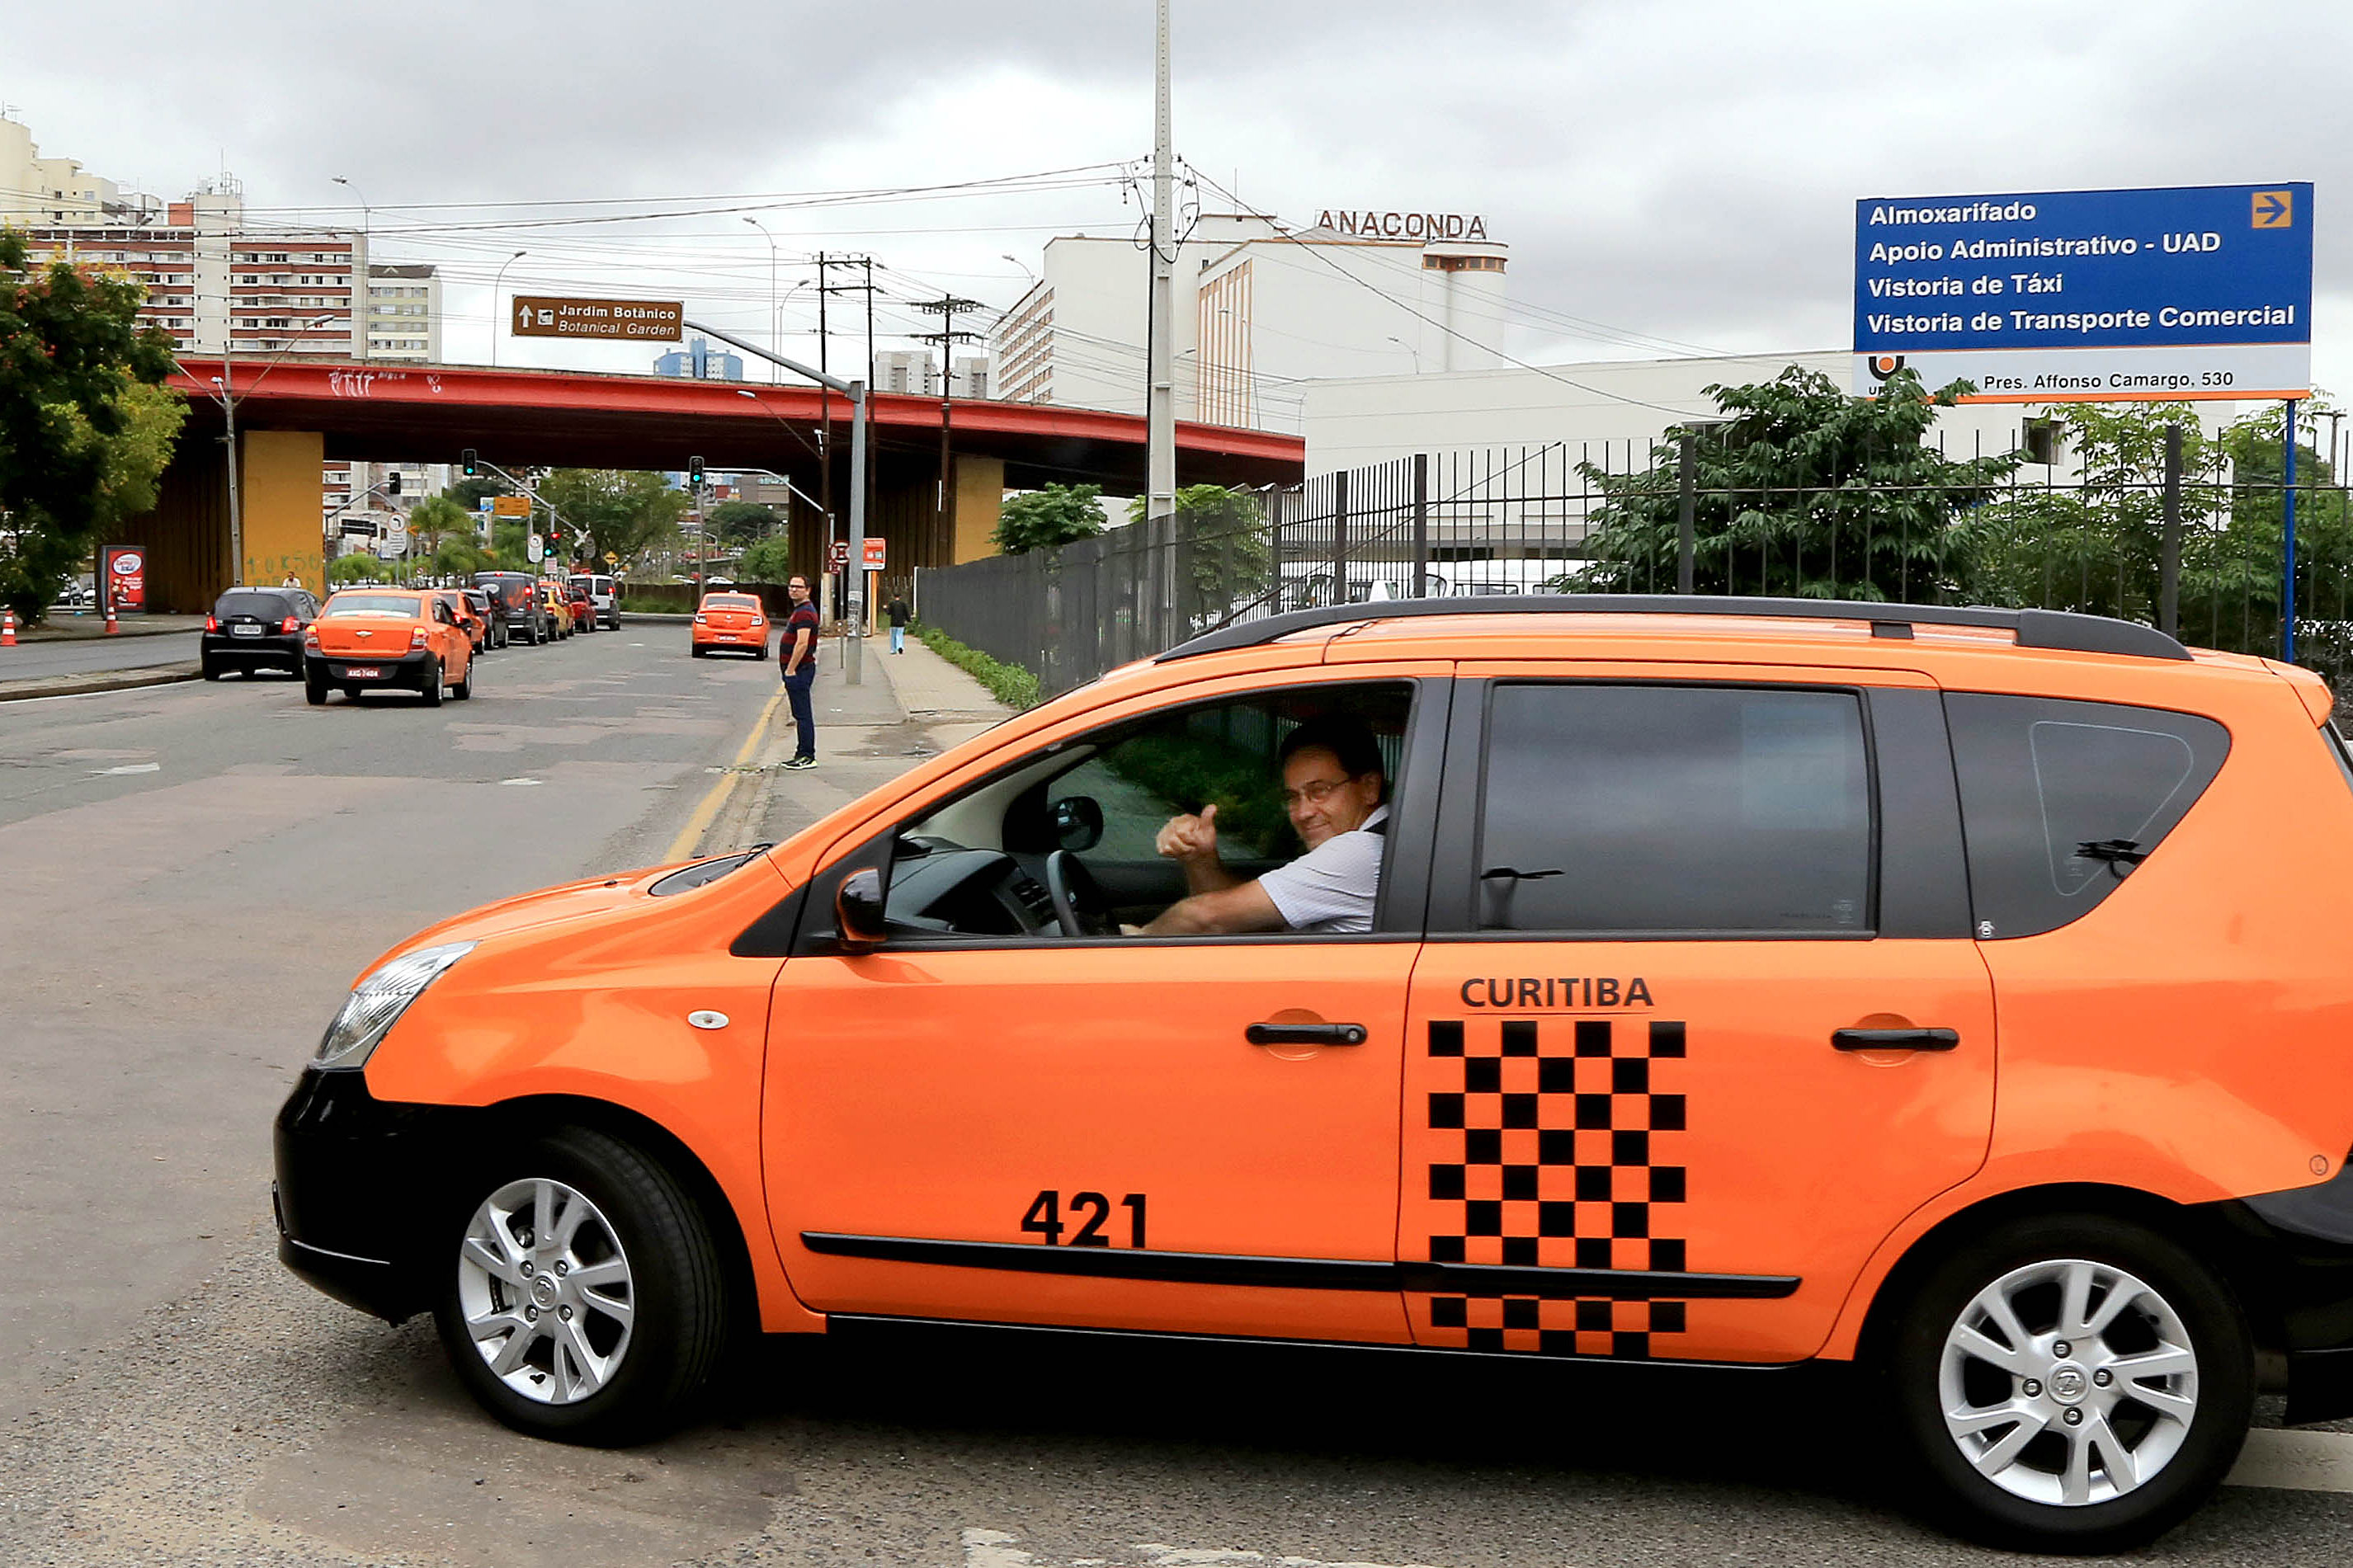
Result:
pixel 2061 800
pixel 1655 810
pixel 1108 832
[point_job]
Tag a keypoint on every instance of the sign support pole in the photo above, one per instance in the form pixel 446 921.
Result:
pixel 854 650
pixel 2287 568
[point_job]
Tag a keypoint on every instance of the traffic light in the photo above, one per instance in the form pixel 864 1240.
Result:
pixel 392 483
pixel 470 463
pixel 694 473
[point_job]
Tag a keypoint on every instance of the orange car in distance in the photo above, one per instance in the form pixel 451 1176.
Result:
pixel 732 622
pixel 405 639
pixel 1961 993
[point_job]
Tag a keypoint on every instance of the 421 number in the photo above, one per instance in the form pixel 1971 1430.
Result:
pixel 1046 1209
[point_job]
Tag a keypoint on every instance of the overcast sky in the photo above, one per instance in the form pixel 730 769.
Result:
pixel 1662 171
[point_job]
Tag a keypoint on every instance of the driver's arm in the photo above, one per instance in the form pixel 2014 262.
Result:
pixel 1243 908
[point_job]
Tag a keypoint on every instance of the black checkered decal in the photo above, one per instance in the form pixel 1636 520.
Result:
pixel 1557 1148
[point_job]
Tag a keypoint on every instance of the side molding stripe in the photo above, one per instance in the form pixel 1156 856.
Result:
pixel 1306 1273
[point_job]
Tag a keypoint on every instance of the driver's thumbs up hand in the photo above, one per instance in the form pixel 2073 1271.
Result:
pixel 1189 837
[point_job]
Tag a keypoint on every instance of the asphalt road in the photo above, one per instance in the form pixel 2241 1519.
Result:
pixel 87 655
pixel 190 875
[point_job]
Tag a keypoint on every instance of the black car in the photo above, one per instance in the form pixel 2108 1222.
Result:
pixel 257 628
pixel 516 595
pixel 495 623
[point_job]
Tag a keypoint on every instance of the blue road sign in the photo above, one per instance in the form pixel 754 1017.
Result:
pixel 2194 292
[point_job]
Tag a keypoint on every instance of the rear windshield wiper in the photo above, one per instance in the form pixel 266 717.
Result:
pixel 2121 854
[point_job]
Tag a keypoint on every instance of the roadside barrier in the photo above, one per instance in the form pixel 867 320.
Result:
pixel 7 628
pixel 112 626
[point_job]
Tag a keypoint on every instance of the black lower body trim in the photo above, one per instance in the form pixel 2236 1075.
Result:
pixel 1307 1273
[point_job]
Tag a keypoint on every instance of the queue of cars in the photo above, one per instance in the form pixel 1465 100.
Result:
pixel 396 636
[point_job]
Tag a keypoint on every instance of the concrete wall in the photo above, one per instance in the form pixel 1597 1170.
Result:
pixel 281 507
pixel 980 496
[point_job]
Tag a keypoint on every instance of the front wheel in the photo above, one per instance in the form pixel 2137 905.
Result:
pixel 2071 1384
pixel 584 1299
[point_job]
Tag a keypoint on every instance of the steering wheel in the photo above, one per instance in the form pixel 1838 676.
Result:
pixel 1079 902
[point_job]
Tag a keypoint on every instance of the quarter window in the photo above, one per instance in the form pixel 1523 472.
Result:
pixel 1674 810
pixel 2061 800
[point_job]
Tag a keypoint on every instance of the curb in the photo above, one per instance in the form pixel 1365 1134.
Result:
pixel 51 631
pixel 86 685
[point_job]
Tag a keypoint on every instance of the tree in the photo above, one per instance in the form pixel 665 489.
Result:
pixel 737 523
pixel 624 513
pixel 467 493
pixel 1049 518
pixel 81 447
pixel 454 555
pixel 359 566
pixel 1228 554
pixel 766 561
pixel 437 517
pixel 1804 491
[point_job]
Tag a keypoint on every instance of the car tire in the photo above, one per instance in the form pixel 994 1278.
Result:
pixel 633 1237
pixel 212 668
pixel 696 650
pixel 431 686
pixel 463 690
pixel 2146 1447
pixel 314 690
pixel 352 693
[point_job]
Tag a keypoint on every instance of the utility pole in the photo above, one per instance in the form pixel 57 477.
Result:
pixel 1160 406
pixel 826 286
pixel 948 306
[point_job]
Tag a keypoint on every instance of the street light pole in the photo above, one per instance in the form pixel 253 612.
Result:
pixel 1160 406
pixel 366 300
pixel 854 654
pixel 775 308
pixel 498 311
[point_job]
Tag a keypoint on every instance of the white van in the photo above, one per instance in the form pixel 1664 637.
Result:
pixel 603 604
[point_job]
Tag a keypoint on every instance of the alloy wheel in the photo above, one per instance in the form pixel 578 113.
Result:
pixel 546 1291
pixel 2068 1382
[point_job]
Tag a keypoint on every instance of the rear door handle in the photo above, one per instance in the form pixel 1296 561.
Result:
pixel 1305 1034
pixel 1894 1039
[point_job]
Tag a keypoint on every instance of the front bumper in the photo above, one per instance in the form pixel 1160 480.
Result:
pixel 406 671
pixel 364 1189
pixel 2295 1249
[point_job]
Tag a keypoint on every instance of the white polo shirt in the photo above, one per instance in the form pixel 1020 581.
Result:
pixel 1331 888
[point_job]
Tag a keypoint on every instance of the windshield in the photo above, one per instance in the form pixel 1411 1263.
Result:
pixel 373 604
pixel 730 602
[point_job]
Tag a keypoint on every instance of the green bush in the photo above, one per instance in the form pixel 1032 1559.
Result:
pixel 1190 772
pixel 1010 684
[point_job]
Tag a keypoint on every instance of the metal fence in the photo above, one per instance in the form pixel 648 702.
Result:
pixel 2203 553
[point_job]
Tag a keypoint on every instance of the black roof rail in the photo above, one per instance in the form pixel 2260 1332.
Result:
pixel 2034 629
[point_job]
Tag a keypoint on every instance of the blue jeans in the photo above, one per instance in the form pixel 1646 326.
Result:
pixel 898 640
pixel 797 692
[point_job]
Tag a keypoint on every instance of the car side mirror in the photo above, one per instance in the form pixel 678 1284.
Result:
pixel 1078 822
pixel 857 912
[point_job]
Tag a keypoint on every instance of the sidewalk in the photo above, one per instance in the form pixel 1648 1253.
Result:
pixel 910 706
pixel 65 626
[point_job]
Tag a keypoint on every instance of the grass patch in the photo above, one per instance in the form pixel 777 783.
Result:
pixel 1008 683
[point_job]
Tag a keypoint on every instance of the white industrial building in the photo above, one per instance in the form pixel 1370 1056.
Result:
pixel 1261 311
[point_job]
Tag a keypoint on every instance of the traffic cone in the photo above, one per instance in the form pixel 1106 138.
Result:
pixel 111 628
pixel 7 628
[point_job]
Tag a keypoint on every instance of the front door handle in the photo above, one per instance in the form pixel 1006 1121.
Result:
pixel 1305 1034
pixel 1894 1039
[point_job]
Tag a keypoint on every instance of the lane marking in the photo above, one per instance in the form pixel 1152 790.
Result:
pixel 517 784
pixel 2294 1461
pixel 129 768
pixel 682 847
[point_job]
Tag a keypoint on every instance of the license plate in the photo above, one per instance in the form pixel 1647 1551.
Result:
pixel 362 672
pixel 726 636
pixel 245 631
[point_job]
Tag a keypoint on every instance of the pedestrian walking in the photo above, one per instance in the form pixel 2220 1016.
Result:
pixel 899 616
pixel 799 659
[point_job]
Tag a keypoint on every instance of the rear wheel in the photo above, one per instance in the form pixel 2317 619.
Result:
pixel 315 690
pixel 464 689
pixel 2071 1384
pixel 432 687
pixel 211 666
pixel 584 1299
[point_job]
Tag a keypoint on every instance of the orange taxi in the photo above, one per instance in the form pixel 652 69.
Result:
pixel 558 605
pixel 730 622
pixel 476 624
pixel 403 639
pixel 1578 979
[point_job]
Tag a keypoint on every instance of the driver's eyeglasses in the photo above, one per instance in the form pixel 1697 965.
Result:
pixel 1316 791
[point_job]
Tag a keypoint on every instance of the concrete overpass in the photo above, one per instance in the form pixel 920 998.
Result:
pixel 292 417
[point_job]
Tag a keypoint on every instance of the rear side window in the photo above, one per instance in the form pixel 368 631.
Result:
pixel 1674 810
pixel 2061 800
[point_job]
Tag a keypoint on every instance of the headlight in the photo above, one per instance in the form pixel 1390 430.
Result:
pixel 378 1000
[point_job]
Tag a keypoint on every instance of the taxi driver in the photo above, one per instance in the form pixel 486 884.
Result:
pixel 1331 787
